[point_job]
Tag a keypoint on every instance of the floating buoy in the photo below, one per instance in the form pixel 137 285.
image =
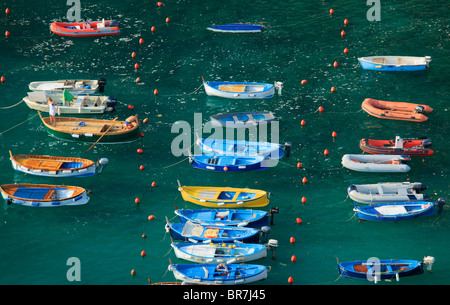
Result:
pixel 342 33
pixel 2 79
pixel 133 54
pixel 151 217
pixel 140 151
pixel 141 134
pixel 155 92
pixel 7 11
pixel 345 21
pixel 225 169
pixel 292 240
pixel 138 80
pixel 331 11
pixel 293 258
pixel 130 107
pixel 325 152
pixel 299 165
pixel 141 41
pixel 334 134
pixel 345 50
pixel 304 180
pixel 145 121
pixel 137 200
pixel 136 66
pixel 290 280
pixel 303 123
pixel 6 33
pixel 304 81
pixel 167 20
pixel 320 109
pixel 335 64
pixel 333 89
pixel 144 236
pixel 303 199
pixel 160 4
pixel 143 253
pixel 133 272
pixel 153 183
pixel 298 220
pixel 141 167
pixel 153 28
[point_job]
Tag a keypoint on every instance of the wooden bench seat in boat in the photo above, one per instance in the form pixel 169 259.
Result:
pixel 42 164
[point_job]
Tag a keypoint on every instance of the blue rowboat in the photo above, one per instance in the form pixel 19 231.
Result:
pixel 224 217
pixel 242 119
pixel 215 253
pixel 382 269
pixel 241 148
pixel 394 63
pixel 398 210
pixel 205 233
pixel 241 90
pixel 224 163
pixel 236 28
pixel 223 274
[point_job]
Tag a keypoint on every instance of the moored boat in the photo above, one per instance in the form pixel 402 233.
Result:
pixel 43 195
pixel 376 163
pixel 91 130
pixel 236 28
pixel 54 166
pixel 394 63
pixel 401 111
pixel 242 119
pixel 224 217
pixel 224 274
pixel 74 86
pixel 398 146
pixel 86 29
pixel 224 197
pixel 214 253
pixel 241 90
pixel 387 192
pixel 396 211
pixel 225 163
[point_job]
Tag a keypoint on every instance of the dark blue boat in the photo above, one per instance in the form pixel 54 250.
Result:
pixel 224 163
pixel 236 28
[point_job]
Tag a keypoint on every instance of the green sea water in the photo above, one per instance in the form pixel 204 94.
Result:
pixel 300 41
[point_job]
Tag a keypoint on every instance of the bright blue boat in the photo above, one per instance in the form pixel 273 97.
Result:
pixel 242 119
pixel 241 90
pixel 381 269
pixel 222 274
pixel 205 233
pixel 398 210
pixel 236 28
pixel 224 217
pixel 241 148
pixel 224 163
pixel 394 63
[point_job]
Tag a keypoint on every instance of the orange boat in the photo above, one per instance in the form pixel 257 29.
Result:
pixel 399 146
pixel 396 110
pixel 86 29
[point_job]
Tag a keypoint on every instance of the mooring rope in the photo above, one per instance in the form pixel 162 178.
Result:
pixel 18 124
pixel 12 105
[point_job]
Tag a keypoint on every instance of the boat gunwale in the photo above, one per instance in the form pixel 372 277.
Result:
pixel 6 188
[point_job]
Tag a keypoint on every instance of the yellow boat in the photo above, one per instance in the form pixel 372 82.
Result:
pixel 223 197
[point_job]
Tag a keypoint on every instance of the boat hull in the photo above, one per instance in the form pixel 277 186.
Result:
pixel 396 211
pixel 240 148
pixel 74 87
pixel 242 119
pixel 387 192
pixel 65 29
pixel 225 217
pixel 400 111
pixel 411 147
pixel 225 163
pixel 236 28
pixel 249 90
pixel 384 269
pixel 394 63
pixel 376 163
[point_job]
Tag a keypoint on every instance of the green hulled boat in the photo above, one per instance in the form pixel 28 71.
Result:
pixel 91 130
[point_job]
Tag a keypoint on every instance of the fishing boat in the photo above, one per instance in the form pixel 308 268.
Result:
pixel 69 104
pixel 241 148
pixel 376 163
pixel 241 90
pixel 411 147
pixel 90 130
pixel 216 253
pixel 74 86
pixel 236 28
pixel 43 195
pixel 384 269
pixel 58 167
pixel 224 197
pixel 193 232
pixel 401 111
pixel 396 211
pixel 387 192
pixel 86 29
pixel 242 119
pixel 224 217
pixel 394 63
pixel 225 163
pixel 223 274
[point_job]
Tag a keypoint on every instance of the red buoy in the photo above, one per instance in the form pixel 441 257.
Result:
pixel 145 121
pixel 167 20
pixel 151 217
pixel 293 258
pixel 7 11
pixel 292 240
pixel 331 11
pixel 304 180
pixel 333 89
pixel 320 109
pixel 153 28
pixel 141 134
pixel 130 107
pixel 136 66
pixel 345 21
pixel 141 41
pixel 133 272
pixel 225 169
pixel 140 151
pixel 2 79
pixel 153 183
pixel 303 123
pixel 6 33
pixel 299 165
pixel 155 92
pixel 141 167
pixel 143 253
pixel 304 81
pixel 335 64
pixel 133 54
pixel 137 200
pixel 290 280
pixel 325 152
pixel 298 220
pixel 334 134
pixel 159 4
pixel 345 50
pixel 342 33
pixel 303 199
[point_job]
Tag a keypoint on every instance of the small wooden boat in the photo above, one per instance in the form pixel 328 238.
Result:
pixel 224 217
pixel 396 110
pixel 225 163
pixel 59 167
pixel 385 269
pixel 241 90
pixel 90 130
pixel 193 232
pixel 224 197
pixel 242 119
pixel 394 63
pixel 241 148
pixel 387 192
pixel 399 146
pixel 79 104
pixel 236 28
pixel 216 253
pixel 376 163
pixel 43 195
pixel 397 211
pixel 224 274
pixel 74 86
pixel 83 29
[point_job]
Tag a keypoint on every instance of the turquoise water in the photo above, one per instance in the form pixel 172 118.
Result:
pixel 301 41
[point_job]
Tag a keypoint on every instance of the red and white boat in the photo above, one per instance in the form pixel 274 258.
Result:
pixel 86 29
pixel 399 146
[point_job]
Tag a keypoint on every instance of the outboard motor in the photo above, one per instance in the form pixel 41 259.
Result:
pixel 279 86
pixel 351 188
pixel 287 148
pixel 440 203
pixel 264 234
pixel 419 187
pixel 272 245
pixel 113 23
pixel 111 103
pixel 426 143
pixel 429 261
pixel 8 201
pixel 101 163
pixel 419 109
pixel 273 211
pixel 101 84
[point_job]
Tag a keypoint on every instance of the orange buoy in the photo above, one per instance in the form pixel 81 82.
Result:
pixel 290 280
pixel 6 33
pixel 292 240
pixel 298 220
pixel 304 81
pixel 333 89
pixel 320 109
pixel 2 79
pixel 325 152
pixel 140 151
pixel 133 54
pixel 299 165
pixel 145 121
pixel 141 134
pixel 151 217
pixel 334 134
pixel 153 183
pixel 293 258
pixel 303 123
pixel 141 41
pixel 342 33
pixel 225 169
pixel 138 80
pixel 144 236
pixel 130 107
pixel 304 180
pixel 143 253
pixel 345 50
pixel 137 200
pixel 159 4
pixel 155 92
pixel 7 11
pixel 167 20
pixel 345 21
pixel 331 11
pixel 141 167
pixel 133 272
pixel 136 66
pixel 335 64
pixel 303 199
pixel 153 28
